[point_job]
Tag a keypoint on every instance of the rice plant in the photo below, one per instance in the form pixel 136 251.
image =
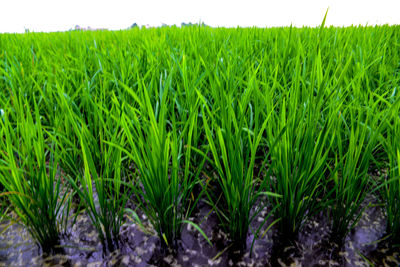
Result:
pixel 300 141
pixel 71 160
pixel 31 177
pixel 234 131
pixel 156 147
pixel 136 115
pixel 105 178
pixel 354 145
pixel 391 184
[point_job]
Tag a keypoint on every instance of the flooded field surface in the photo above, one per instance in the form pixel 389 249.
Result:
pixel 137 247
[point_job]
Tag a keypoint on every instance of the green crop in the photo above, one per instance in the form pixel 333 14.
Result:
pixel 102 174
pixel 31 176
pixel 300 140
pixel 170 116
pixel 234 130
pixel 390 186
pixel 356 139
pixel 162 159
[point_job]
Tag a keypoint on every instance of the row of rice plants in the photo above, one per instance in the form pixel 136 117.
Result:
pixel 86 114
pixel 390 186
pixel 31 177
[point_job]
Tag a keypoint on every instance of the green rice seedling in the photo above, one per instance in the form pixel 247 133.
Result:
pixel 354 145
pixel 31 177
pixel 3 209
pixel 104 179
pixel 3 212
pixel 299 136
pixel 71 160
pixel 163 190
pixel 391 184
pixel 392 197
pixel 311 79
pixel 192 76
pixel 300 140
pixel 234 130
pixel 2 137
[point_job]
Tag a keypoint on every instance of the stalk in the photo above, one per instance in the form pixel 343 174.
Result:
pixel 156 147
pixel 390 188
pixel 102 175
pixel 354 148
pixel 234 132
pixel 32 179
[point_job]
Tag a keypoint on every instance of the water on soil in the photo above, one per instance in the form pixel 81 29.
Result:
pixel 81 246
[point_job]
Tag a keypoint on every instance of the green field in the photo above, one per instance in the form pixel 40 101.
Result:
pixel 292 120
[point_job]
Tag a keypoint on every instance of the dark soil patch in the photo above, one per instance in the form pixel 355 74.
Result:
pixel 81 247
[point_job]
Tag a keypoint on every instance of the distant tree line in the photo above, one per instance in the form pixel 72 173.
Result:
pixel 183 24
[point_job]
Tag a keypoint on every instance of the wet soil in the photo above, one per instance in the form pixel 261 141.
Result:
pixel 81 246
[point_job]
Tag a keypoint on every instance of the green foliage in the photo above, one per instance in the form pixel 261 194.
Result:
pixel 356 139
pixel 31 178
pixel 390 187
pixel 106 179
pixel 157 148
pixel 134 115
pixel 300 139
pixel 234 131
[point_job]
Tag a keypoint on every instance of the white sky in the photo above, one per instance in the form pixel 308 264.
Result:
pixel 60 15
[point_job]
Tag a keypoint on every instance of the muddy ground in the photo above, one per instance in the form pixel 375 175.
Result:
pixel 81 246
